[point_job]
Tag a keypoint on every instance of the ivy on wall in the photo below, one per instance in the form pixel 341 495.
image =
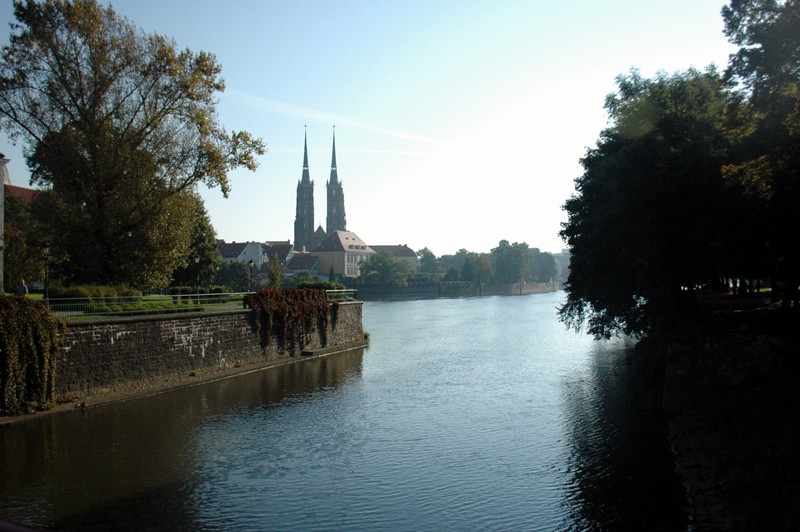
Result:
pixel 290 315
pixel 30 337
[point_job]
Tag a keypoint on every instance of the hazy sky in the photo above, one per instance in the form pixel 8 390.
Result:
pixel 458 123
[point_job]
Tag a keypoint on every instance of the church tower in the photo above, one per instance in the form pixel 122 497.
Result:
pixel 304 214
pixel 336 218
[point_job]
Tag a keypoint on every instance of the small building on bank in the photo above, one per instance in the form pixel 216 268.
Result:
pixel 344 251
pixel 401 253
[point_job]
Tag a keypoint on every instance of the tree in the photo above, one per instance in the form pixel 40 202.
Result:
pixel 428 263
pixel 120 127
pixel 652 214
pixel 199 266
pixel 382 268
pixel 234 275
pixel 455 261
pixel 512 262
pixel 767 65
pixel 452 275
pixel 22 254
pixel 543 266
pixel 275 273
pixel 477 268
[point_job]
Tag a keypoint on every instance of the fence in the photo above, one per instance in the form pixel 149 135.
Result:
pixel 103 307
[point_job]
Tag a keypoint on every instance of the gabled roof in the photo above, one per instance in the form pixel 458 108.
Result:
pixel 281 249
pixel 231 250
pixel 396 251
pixel 26 194
pixel 342 241
pixel 304 261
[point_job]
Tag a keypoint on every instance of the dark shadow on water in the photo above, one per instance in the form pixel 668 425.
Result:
pixel 621 466
pixel 129 465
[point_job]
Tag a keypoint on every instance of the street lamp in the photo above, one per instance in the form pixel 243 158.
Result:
pixel 46 251
pixel 250 266
pixel 197 274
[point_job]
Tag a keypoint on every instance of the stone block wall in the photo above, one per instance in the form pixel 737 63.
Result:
pixel 132 354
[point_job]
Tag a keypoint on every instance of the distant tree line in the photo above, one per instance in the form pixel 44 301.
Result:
pixel 505 264
pixel 694 183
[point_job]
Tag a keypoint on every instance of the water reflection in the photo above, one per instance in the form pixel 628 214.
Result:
pixel 619 461
pixel 467 414
pixel 113 464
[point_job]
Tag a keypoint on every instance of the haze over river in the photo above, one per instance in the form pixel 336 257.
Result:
pixel 463 414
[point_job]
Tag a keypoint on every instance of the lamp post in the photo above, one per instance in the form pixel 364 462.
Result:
pixel 197 275
pixel 250 265
pixel 46 251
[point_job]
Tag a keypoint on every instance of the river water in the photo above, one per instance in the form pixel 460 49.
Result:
pixel 463 414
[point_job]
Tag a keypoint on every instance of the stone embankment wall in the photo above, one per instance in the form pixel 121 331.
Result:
pixel 144 354
pixel 732 402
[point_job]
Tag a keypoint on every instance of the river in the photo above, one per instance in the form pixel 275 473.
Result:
pixel 463 414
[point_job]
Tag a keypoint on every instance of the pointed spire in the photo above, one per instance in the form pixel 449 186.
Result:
pixel 334 173
pixel 306 176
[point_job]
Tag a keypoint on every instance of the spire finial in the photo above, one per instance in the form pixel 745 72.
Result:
pixel 333 158
pixel 305 148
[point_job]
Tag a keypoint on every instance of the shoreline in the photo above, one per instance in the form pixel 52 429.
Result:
pixel 165 384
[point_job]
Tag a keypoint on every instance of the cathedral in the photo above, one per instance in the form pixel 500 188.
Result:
pixel 305 237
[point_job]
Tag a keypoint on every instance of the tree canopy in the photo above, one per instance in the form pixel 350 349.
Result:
pixel 119 128
pixel 382 268
pixel 694 180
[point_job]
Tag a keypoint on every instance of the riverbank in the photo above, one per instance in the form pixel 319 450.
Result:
pixel 123 358
pixel 732 402
pixel 170 383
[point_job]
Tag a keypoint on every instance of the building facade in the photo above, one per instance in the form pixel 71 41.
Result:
pixel 344 251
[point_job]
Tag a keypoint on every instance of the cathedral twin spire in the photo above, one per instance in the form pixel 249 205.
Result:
pixel 305 238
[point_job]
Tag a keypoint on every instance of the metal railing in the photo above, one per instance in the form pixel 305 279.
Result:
pixel 103 307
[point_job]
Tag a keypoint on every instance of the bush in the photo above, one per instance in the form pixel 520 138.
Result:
pixel 290 315
pixel 93 291
pixel 30 337
pixel 321 285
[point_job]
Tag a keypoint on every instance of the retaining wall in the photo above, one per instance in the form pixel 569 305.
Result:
pixel 135 355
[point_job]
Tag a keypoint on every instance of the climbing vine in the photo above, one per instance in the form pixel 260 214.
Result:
pixel 30 337
pixel 290 315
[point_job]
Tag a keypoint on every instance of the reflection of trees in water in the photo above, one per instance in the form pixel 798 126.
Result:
pixel 620 462
pixel 130 463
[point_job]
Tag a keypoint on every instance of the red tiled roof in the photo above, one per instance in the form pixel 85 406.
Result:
pixel 20 192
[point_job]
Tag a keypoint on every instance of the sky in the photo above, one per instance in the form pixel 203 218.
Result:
pixel 458 123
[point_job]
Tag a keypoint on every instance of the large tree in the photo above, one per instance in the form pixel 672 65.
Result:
pixel 22 255
pixel 512 262
pixel 428 262
pixel 119 129
pixel 383 268
pixel 543 266
pixel 200 265
pixel 652 216
pixel 767 66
